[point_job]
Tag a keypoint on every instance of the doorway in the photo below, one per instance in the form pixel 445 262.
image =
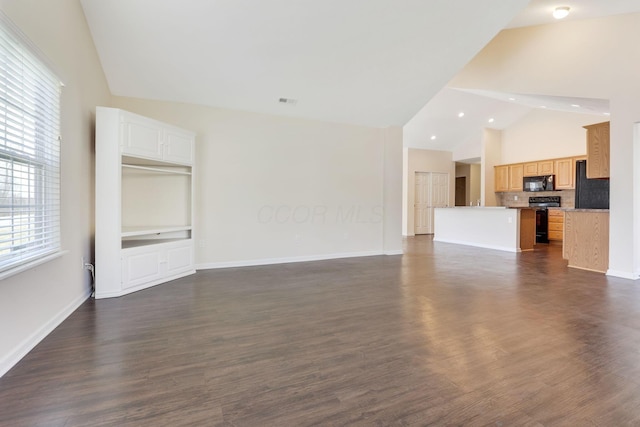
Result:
pixel 431 191
pixel 461 191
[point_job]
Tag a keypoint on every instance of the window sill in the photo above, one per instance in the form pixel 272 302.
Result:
pixel 29 265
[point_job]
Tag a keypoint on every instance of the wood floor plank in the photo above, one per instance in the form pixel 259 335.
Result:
pixel 442 335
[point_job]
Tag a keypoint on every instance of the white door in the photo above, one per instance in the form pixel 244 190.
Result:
pixel 422 206
pixel 431 191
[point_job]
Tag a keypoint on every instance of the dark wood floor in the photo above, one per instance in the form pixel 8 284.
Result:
pixel 444 335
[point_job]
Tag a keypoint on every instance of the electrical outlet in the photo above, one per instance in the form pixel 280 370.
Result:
pixel 515 197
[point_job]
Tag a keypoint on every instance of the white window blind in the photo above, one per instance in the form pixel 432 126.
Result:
pixel 29 153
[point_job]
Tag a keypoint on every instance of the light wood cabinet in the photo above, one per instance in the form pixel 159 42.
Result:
pixel 515 177
pixel 144 202
pixel 555 224
pixel 531 169
pixel 501 178
pixel 538 168
pixel 564 170
pixel 546 167
pixel 586 240
pixel 598 150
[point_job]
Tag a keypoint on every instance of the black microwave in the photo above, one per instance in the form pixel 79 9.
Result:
pixel 538 183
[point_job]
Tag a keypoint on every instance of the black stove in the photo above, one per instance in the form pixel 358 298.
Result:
pixel 542 218
pixel 544 202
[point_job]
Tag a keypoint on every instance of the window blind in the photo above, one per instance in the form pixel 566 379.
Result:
pixel 29 153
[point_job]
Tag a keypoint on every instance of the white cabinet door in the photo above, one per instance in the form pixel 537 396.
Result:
pixel 140 266
pixel 141 138
pixel 179 259
pixel 178 147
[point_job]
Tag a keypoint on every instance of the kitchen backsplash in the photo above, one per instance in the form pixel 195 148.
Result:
pixel 521 198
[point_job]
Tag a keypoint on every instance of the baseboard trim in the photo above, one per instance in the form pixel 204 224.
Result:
pixel 623 274
pixel 394 252
pixel 478 245
pixel 34 339
pixel 269 261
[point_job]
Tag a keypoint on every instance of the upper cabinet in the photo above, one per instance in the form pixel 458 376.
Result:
pixel 515 177
pixel 538 168
pixel 501 178
pixel 564 170
pixel 142 137
pixel 509 177
pixel 598 150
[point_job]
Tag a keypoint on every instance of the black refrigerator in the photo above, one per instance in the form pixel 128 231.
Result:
pixel 590 193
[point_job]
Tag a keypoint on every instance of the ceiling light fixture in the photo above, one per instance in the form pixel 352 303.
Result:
pixel 561 12
pixel 461 114
pixel 575 105
pixel 543 106
pixel 433 137
pixel 512 99
pixel 491 120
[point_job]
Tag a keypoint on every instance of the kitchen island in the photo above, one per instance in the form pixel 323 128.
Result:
pixel 501 228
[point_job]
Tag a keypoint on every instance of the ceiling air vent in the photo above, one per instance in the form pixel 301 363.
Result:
pixel 288 101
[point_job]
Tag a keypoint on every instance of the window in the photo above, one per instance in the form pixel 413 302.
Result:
pixel 29 153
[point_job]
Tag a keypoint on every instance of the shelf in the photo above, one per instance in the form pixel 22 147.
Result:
pixel 128 244
pixel 143 231
pixel 156 169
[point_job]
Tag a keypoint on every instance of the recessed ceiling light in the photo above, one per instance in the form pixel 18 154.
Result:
pixel 512 99
pixel 491 120
pixel 606 113
pixel 433 137
pixel 561 12
pixel 575 105
pixel 543 106
pixel 461 114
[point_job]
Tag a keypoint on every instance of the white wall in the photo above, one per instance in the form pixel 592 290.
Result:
pixel 274 189
pixel 544 134
pixel 595 58
pixel 491 156
pixel 34 302
pixel 475 182
pixel 392 191
pixel 417 160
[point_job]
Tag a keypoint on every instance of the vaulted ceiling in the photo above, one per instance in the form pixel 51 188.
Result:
pixel 367 62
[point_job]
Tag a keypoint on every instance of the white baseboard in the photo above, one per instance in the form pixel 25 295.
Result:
pixel 268 261
pixel 623 274
pixel 478 245
pixel 394 252
pixel 30 342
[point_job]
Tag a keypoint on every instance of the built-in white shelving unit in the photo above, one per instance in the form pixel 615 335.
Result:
pixel 144 202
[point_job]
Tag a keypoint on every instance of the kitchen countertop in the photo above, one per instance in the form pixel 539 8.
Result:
pixel 587 210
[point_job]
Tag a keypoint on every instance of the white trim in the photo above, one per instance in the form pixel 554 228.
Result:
pixel 478 245
pixel 269 261
pixel 126 291
pixel 623 274
pixel 34 339
pixel 394 252
pixel 24 267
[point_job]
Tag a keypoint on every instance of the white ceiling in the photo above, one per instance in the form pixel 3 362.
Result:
pixel 368 62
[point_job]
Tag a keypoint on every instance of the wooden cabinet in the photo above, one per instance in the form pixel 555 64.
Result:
pixel 598 150
pixel 531 169
pixel 555 224
pixel 509 177
pixel 501 178
pixel 546 167
pixel 515 177
pixel 564 170
pixel 586 240
pixel 144 202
